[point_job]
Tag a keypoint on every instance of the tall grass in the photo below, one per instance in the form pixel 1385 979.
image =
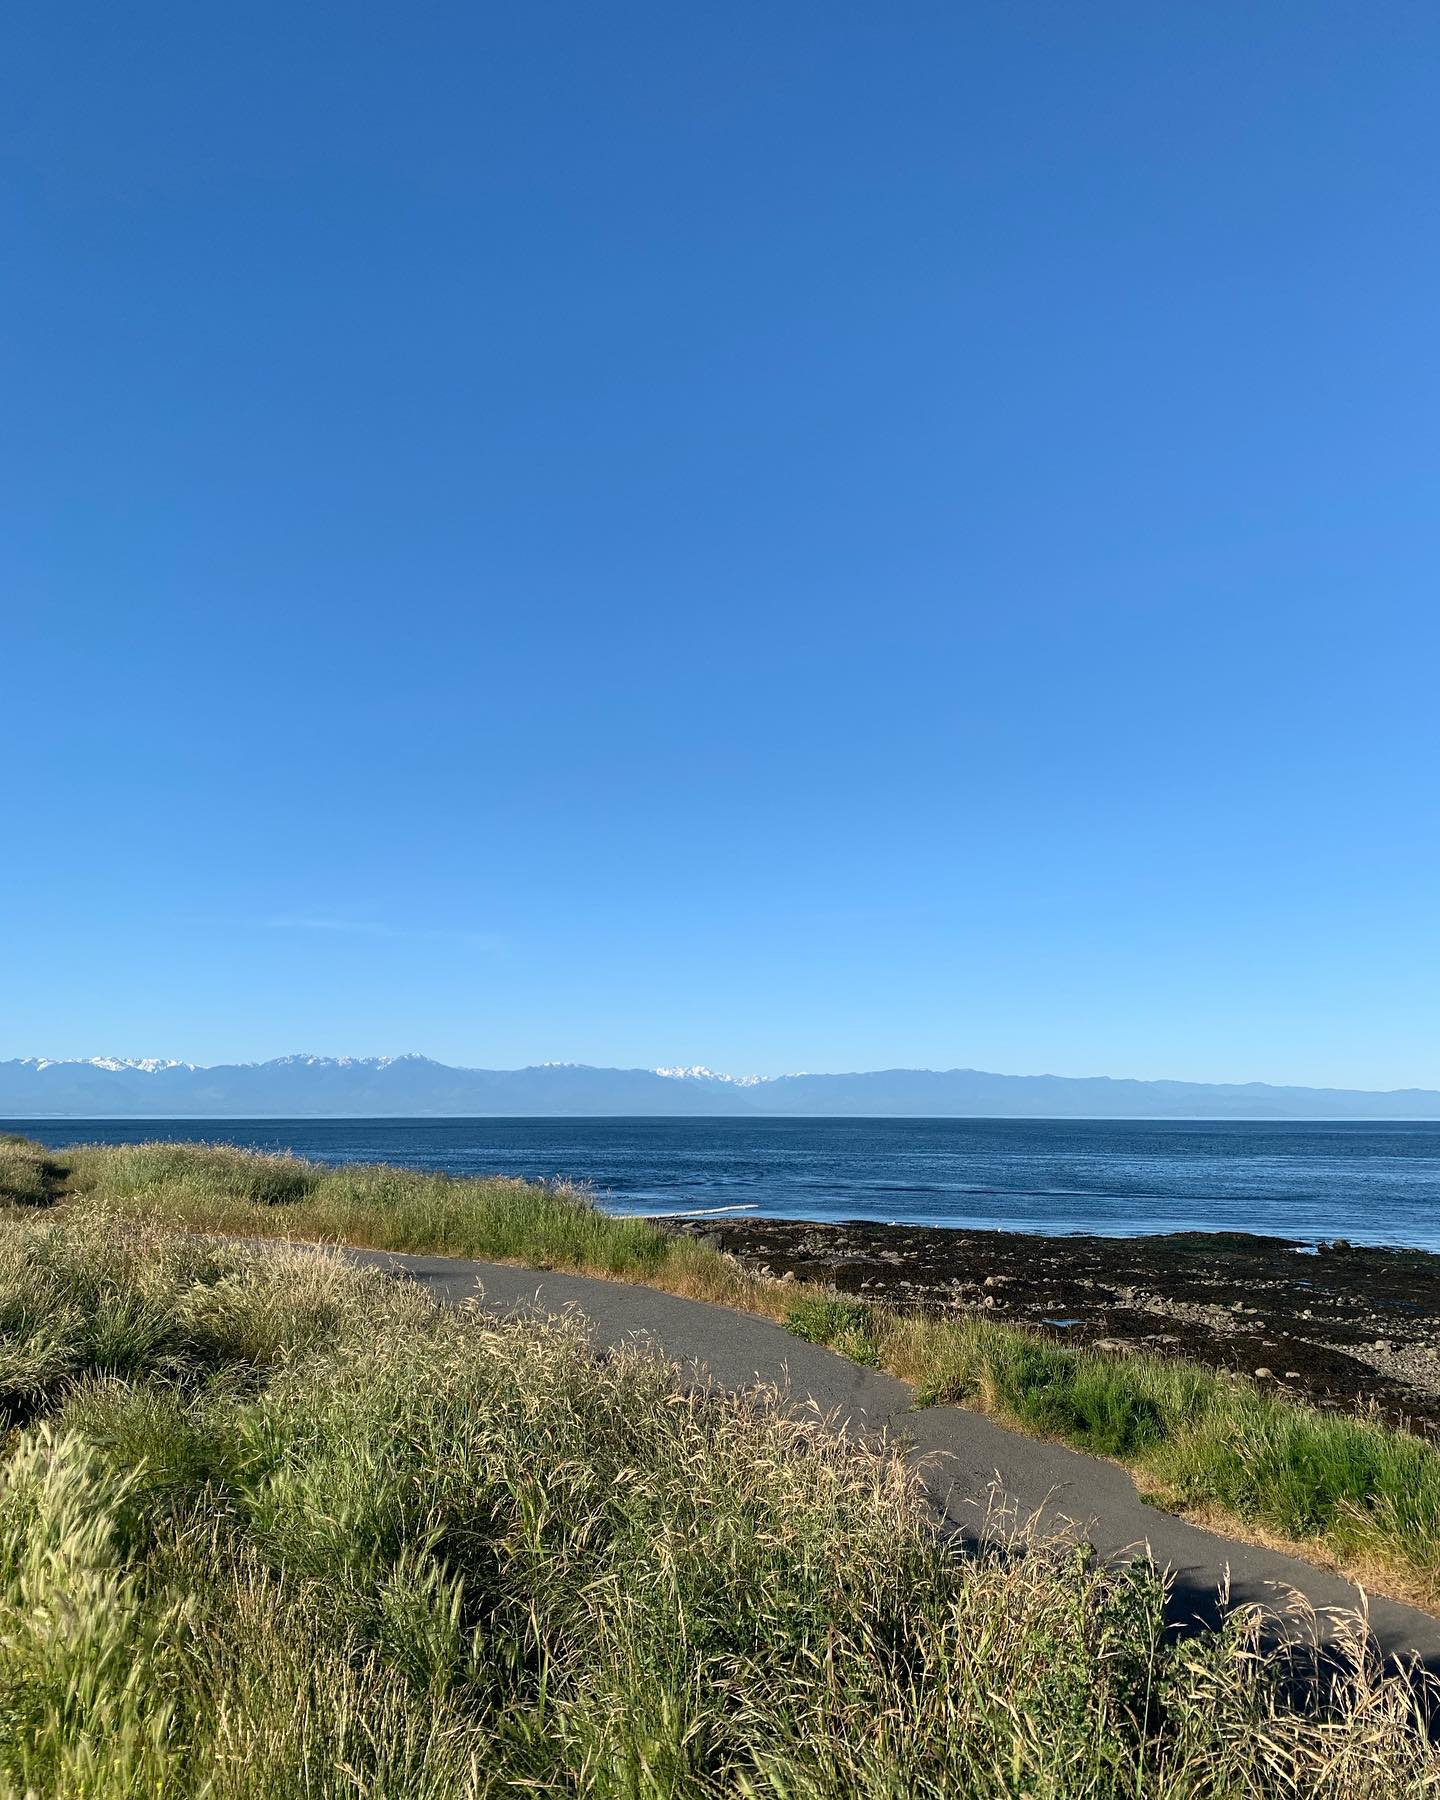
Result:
pixel 278 1526
pixel 217 1188
pixel 1347 1489
pixel 1344 1488
pixel 29 1175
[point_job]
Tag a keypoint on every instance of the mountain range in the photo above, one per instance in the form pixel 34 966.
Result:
pixel 415 1086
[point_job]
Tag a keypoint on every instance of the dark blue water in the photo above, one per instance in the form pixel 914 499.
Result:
pixel 1370 1183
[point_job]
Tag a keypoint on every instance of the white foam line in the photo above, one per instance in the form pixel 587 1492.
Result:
pixel 700 1212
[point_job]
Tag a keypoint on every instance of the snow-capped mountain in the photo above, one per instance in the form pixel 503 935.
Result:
pixel 147 1065
pixel 308 1086
pixel 302 1060
pixel 700 1073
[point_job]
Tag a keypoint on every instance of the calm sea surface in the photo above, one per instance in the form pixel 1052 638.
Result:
pixel 1370 1183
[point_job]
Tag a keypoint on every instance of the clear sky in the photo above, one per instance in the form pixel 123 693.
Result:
pixel 802 536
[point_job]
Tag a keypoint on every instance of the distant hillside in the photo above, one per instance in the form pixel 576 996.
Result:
pixel 414 1086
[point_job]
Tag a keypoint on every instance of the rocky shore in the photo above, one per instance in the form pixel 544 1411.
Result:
pixel 1340 1326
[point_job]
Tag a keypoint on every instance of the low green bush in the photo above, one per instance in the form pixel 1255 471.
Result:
pixel 846 1326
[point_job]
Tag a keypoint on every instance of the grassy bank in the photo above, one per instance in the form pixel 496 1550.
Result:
pixel 1345 1489
pixel 271 1525
pixel 29 1175
pixel 1348 1490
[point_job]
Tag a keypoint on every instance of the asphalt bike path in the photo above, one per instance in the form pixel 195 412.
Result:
pixel 965 1460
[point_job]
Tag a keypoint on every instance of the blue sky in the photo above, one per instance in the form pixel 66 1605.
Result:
pixel 817 536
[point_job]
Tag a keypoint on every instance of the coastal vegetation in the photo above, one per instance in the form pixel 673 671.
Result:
pixel 28 1174
pixel 273 1524
pixel 1344 1489
pixel 1348 1490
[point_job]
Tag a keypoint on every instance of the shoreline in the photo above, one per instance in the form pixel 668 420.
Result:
pixel 1343 1327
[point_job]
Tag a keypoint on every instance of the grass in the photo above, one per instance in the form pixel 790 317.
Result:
pixel 1346 1489
pixel 29 1175
pixel 217 1188
pixel 1343 1489
pixel 270 1524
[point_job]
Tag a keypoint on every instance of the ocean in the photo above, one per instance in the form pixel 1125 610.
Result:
pixel 1371 1183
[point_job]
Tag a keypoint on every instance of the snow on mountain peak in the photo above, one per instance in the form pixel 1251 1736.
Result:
pixel 698 1072
pixel 113 1065
pixel 147 1065
pixel 302 1059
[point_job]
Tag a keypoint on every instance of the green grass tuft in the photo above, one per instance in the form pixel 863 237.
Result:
pixel 29 1175
pixel 847 1326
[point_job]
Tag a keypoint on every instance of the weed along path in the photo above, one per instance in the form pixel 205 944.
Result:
pixel 964 1458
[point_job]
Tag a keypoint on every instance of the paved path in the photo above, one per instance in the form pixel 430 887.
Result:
pixel 962 1455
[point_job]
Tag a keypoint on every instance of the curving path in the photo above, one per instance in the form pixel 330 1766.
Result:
pixel 963 1456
